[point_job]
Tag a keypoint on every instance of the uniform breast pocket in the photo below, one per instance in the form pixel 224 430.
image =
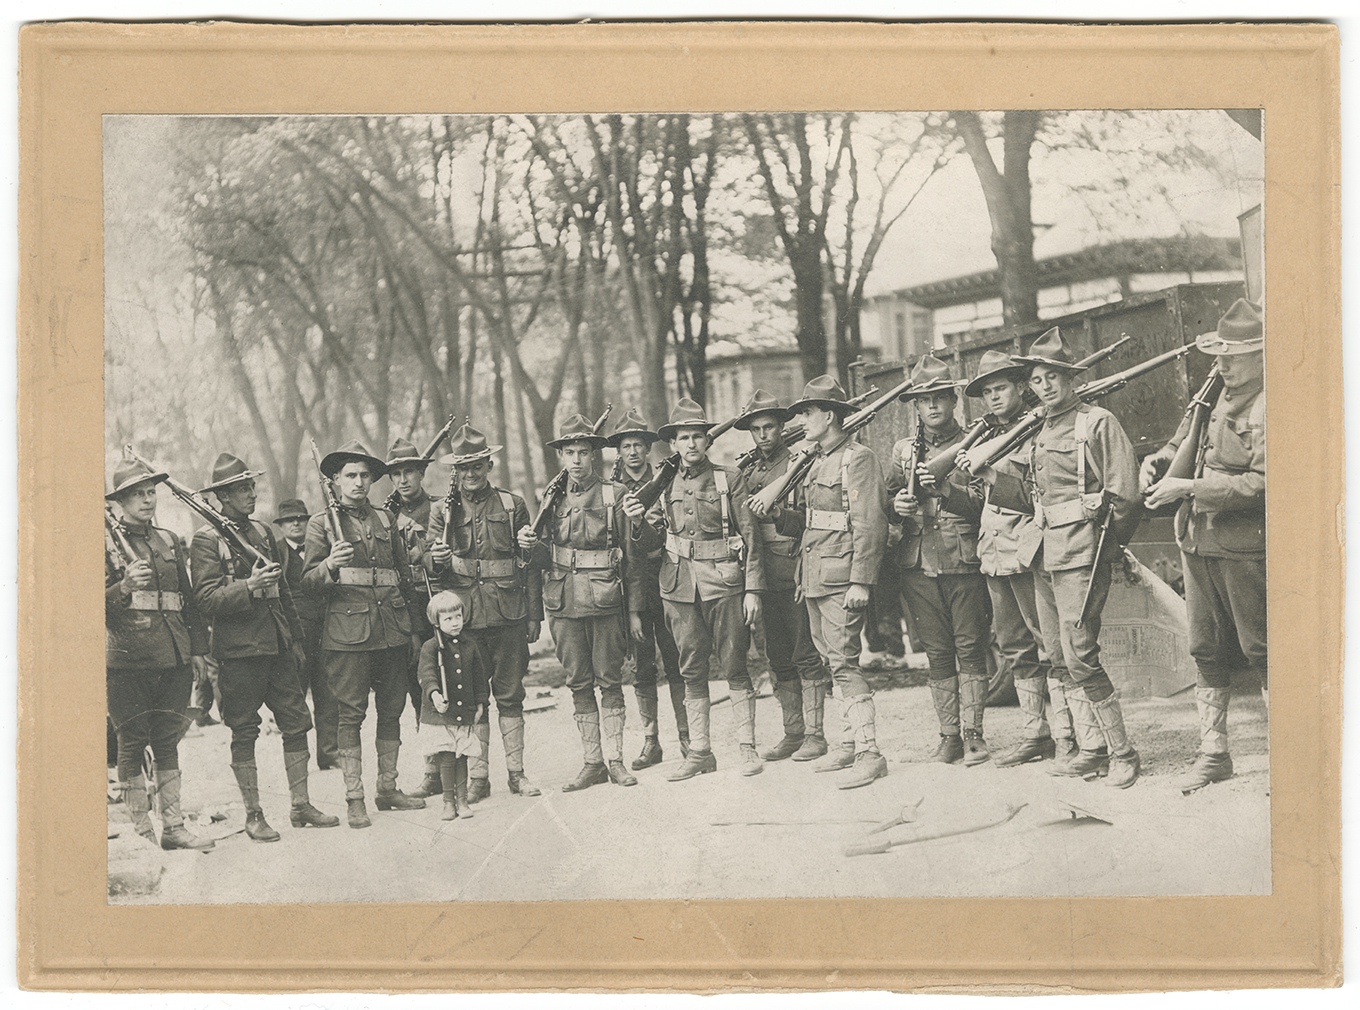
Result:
pixel 824 495
pixel 593 525
pixel 836 566
pixel 709 508
pixel 498 531
pixel 606 592
pixel 554 590
pixel 1235 446
pixel 1056 464
pixel 382 548
pixel 349 623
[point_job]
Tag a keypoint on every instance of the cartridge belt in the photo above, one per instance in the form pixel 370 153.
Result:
pixel 149 599
pixel 476 568
pixel 828 519
pixel 1080 509
pixel 570 557
pixel 703 550
pixel 367 576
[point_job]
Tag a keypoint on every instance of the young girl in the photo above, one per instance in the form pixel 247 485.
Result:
pixel 454 703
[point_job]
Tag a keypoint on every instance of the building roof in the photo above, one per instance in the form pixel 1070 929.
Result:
pixel 1174 254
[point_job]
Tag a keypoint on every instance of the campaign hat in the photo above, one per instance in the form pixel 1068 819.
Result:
pixel 826 392
pixel 761 402
pixel 632 423
pixel 403 452
pixel 129 473
pixel 229 470
pixel 577 428
pixel 352 451
pixel 468 445
pixel 995 364
pixel 685 414
pixel 1240 331
pixel 931 375
pixel 1051 350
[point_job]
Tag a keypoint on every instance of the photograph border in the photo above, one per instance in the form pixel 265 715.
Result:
pixel 70 938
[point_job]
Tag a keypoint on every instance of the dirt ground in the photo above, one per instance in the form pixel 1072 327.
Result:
pixel 783 833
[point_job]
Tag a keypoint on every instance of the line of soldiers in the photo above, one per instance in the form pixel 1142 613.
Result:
pixel 1020 547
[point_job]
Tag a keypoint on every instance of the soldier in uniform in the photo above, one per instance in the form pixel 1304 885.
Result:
pixel 942 582
pixel 156 643
pixel 478 559
pixel 1221 531
pixel 292 523
pixel 1000 383
pixel 801 679
pixel 632 440
pixel 366 640
pixel 842 518
pixel 1084 475
pixel 257 641
pixel 589 543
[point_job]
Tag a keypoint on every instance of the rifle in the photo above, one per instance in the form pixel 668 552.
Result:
pixel 558 484
pixel 992 450
pixel 332 506
pixel 1185 464
pixel 918 456
pixel 1095 565
pixel 393 502
pixel 115 540
pixel 793 434
pixel 800 461
pixel 453 505
pixel 667 469
pixel 236 540
pixel 942 464
pixel 438 641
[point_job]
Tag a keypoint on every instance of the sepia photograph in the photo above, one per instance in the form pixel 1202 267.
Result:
pixel 529 507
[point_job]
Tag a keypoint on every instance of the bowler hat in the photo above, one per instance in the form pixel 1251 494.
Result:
pixel 293 508
pixel 228 470
pixel 468 445
pixel 1051 350
pixel 352 452
pixel 403 452
pixel 632 423
pixel 685 414
pixel 578 428
pixel 931 375
pixel 129 473
pixel 1240 331
pixel 761 402
pixel 994 364
pixel 826 392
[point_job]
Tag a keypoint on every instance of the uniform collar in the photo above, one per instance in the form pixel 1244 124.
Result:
pixel 830 449
pixel 359 511
pixel 1244 392
pixel 420 499
pixel 584 484
pixel 945 436
pixel 697 470
pixel 1052 415
pixel 481 494
pixel 781 453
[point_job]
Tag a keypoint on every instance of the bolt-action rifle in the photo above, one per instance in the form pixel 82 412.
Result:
pixel 332 504
pixel 793 433
pixel 117 544
pixel 1189 457
pixel 558 485
pixel 393 502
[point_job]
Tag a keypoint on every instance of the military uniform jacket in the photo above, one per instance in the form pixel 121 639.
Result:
pixel 1068 517
pixel 587 551
pixel 843 521
pixel 413 518
pixel 504 589
pixel 650 535
pixel 779 553
pixel 1001 530
pixel 263 623
pixel 468 681
pixel 941 539
pixel 143 630
pixel 1226 515
pixel 711 548
pixel 310 610
pixel 366 603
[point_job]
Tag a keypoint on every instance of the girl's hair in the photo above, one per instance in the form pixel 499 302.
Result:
pixel 444 603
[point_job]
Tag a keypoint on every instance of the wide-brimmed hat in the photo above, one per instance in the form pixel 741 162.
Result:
pixel 352 452
pixel 293 508
pixel 1051 350
pixel 578 428
pixel 468 445
pixel 931 375
pixel 826 392
pixel 632 423
pixel 129 473
pixel 761 402
pixel 228 470
pixel 1240 331
pixel 403 452
pixel 685 414
pixel 995 364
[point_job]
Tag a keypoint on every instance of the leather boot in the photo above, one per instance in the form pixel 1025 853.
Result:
pixel 301 813
pixel 352 768
pixel 651 746
pixel 972 700
pixel 139 807
pixel 479 765
pixel 791 704
pixel 460 789
pixel 450 807
pixel 744 715
pixel 944 692
pixel 512 737
pixel 1060 721
pixel 700 759
pixel 430 784
pixel 869 763
pixel 949 750
pixel 387 796
pixel 613 721
pixel 593 771
pixel 1037 743
pixel 174 835
pixel 1212 764
pixel 814 722
pixel 1092 758
pixel 1124 762
pixel 248 781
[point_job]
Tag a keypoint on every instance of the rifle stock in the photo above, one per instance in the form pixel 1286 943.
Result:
pixel 118 540
pixel 331 506
pixel 1186 461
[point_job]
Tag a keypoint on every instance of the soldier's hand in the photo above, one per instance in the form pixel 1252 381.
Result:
pixel 1168 490
pixel 1151 471
pixel 798 593
pixel 137 576
pixel 527 538
pixel 905 504
pixel 477 715
pixel 976 468
pixel 635 627
pixel 633 508
pixel 200 668
pixel 342 553
pixel 440 553
pixel 856 598
pixel 263 575
pixel 750 609
pixel 441 704
pixel 925 480
pixel 532 629
pixel 757 507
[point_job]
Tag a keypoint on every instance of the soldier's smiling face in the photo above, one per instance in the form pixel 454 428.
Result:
pixel 578 459
pixel 352 483
pixel 406 479
pixel 691 443
pixel 475 475
pixel 633 451
pixel 138 503
pixel 1003 397
pixel 767 433
pixel 238 499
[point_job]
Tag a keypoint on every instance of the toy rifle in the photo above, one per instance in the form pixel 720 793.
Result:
pixel 941 465
pixel 1189 456
pixel 793 433
pixel 393 502
pixel 332 506
pixel 558 485
pixel 800 460
pixel 235 539
pixel 992 450
pixel 438 641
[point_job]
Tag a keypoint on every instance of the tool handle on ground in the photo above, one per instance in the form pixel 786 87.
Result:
pixel 1095 566
pixel 332 505
pixel 438 641
pixel 868 848
pixel 236 540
